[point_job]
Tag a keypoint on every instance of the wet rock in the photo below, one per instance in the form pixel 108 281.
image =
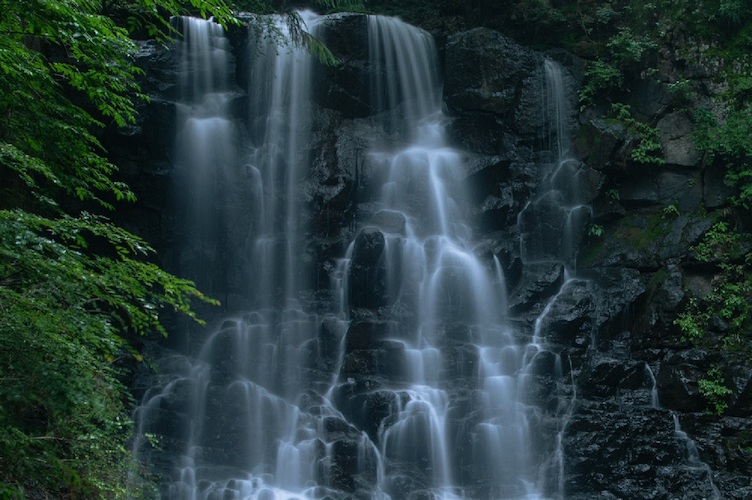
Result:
pixel 677 380
pixel 487 72
pixel 716 192
pixel 367 283
pixel 616 290
pixel 344 86
pixel 645 239
pixel 648 97
pixel 501 189
pixel 569 320
pixel 477 132
pixel 367 334
pixel 366 410
pixel 723 448
pixel 329 339
pixel 369 350
pixel 386 362
pixel 630 285
pixel 665 292
pixel 678 189
pixel 676 140
pixel 461 362
pixel 737 374
pixel 343 465
pixel 390 221
pixel 554 222
pixel 598 142
pixel 602 376
pixel 538 280
pixel 579 183
pixel 545 363
pixel 622 452
pixel 541 226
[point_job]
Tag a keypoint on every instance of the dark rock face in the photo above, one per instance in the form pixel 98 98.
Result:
pixel 367 285
pixel 344 87
pixel 489 73
pixel 611 374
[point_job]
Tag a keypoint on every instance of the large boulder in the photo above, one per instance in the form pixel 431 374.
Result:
pixel 487 72
pixel 676 140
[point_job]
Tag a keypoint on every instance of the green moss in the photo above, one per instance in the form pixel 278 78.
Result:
pixel 590 251
pixel 658 278
pixel 635 232
pixel 643 231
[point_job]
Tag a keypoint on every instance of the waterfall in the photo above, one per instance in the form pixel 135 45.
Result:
pixel 236 420
pixel 205 144
pixel 556 110
pixel 414 378
pixel 280 99
pixel 553 222
pixel 687 446
pixel 551 228
pixel 692 457
pixel 431 269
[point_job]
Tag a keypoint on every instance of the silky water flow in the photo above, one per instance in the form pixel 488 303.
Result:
pixel 249 414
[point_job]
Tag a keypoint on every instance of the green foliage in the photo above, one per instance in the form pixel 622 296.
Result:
pixel 601 77
pixel 296 32
pixel 341 5
pixel 714 391
pixel 648 148
pixel 596 230
pixel 63 315
pixel 728 301
pixel 627 48
pixel 733 12
pixel 300 37
pixel 682 94
pixel 719 242
pixel 727 144
pixel 73 285
pixel 693 322
pixel 671 210
pixel 605 14
pixel 151 18
pixel 722 319
pixel 607 74
pixel 536 14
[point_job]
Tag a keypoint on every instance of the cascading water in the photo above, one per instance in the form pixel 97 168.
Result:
pixel 235 419
pixel 415 378
pixel 552 223
pixel 430 269
pixel 205 149
pixel 551 227
pixel 687 446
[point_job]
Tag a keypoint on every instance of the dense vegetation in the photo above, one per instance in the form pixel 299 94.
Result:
pixel 629 37
pixel 75 287
pixel 624 40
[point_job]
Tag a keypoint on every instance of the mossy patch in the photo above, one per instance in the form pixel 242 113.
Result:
pixel 642 232
pixel 658 278
pixel 634 238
